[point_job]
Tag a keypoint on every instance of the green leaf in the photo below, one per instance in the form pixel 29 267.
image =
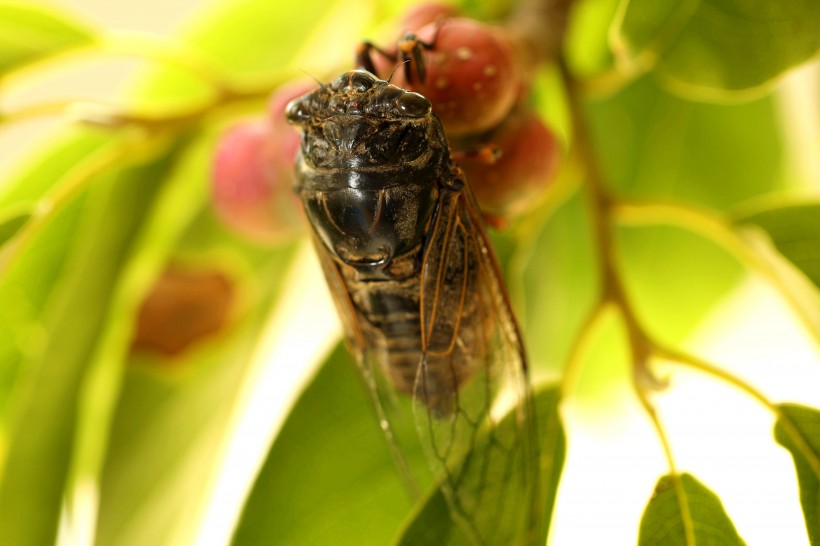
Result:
pixel 329 477
pixel 668 268
pixel 171 420
pixel 432 524
pixel 665 520
pixel 587 46
pixel 795 231
pixel 798 430
pixel 11 222
pixel 784 241
pixel 705 47
pixel 653 146
pixel 793 286
pixel 38 390
pixel 171 424
pixel 657 147
pixel 27 287
pixel 49 372
pixel 41 171
pixel 29 32
pixel 553 283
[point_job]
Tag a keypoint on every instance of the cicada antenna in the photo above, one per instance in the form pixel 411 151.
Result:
pixel 404 62
pixel 319 82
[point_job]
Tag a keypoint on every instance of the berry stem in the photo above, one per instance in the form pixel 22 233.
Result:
pixel 540 25
pixel 601 205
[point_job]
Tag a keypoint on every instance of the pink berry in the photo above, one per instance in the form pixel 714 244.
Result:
pixel 253 178
pixel 253 172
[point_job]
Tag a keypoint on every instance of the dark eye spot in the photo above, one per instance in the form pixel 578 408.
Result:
pixel 413 105
pixel 296 112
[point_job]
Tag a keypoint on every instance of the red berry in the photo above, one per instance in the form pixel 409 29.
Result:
pixel 472 78
pixel 528 163
pixel 182 307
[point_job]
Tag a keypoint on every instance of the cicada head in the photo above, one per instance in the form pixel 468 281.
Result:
pixel 359 122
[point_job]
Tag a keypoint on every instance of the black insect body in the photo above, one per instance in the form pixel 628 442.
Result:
pixel 414 278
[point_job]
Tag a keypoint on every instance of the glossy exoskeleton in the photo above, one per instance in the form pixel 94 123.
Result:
pixel 414 278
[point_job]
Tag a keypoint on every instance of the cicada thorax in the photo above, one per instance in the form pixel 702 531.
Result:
pixel 373 173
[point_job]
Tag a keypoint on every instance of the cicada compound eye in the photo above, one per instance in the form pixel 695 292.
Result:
pixel 296 113
pixel 413 105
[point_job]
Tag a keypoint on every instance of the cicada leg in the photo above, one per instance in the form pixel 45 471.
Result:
pixel 364 56
pixel 410 52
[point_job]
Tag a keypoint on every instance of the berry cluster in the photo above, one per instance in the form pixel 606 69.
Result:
pixel 478 80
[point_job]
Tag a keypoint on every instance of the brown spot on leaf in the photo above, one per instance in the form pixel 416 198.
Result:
pixel 183 307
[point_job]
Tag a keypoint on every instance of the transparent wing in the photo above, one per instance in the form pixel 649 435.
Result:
pixel 342 299
pixel 473 405
pixel 378 387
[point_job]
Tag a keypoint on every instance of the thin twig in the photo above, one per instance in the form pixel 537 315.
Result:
pixel 680 492
pixel 614 293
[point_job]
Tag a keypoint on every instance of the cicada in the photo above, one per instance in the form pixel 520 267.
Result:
pixel 420 294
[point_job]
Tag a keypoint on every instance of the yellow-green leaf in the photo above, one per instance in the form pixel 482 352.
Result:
pixel 795 231
pixel 689 517
pixel 798 430
pixel 706 47
pixel 30 32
